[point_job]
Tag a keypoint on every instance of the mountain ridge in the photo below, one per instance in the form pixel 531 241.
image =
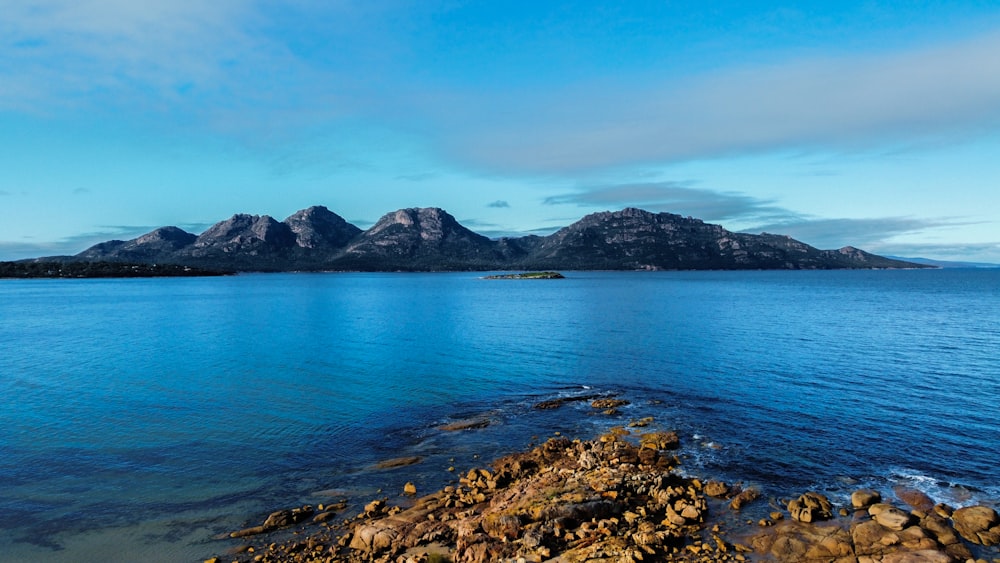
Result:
pixel 430 239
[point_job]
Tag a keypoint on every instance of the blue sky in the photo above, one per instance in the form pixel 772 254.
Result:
pixel 875 124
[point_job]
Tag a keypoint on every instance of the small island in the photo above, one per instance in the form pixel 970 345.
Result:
pixel 527 276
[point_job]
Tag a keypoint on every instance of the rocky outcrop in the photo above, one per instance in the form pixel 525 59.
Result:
pixel 429 239
pixel 617 498
pixel 600 500
pixel 880 534
pixel 419 239
pixel 164 241
pixel 317 228
pixel 978 524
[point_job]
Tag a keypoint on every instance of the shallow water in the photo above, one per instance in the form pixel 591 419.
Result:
pixel 143 417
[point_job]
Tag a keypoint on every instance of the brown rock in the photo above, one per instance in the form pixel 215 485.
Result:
pixel 890 517
pixel 374 537
pixel 745 497
pixel 502 526
pixel 810 507
pixel 920 556
pixel 409 489
pixel 978 524
pixel 914 498
pixel 660 440
pixel 716 489
pixel 608 403
pixel 793 542
pixel 864 498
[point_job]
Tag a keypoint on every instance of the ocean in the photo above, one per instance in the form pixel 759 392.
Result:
pixel 142 419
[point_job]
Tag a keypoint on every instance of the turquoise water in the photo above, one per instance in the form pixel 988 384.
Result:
pixel 142 418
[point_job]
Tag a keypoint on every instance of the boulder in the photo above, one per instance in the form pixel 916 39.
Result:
pixel 978 524
pixel 745 497
pixel 660 440
pixel 810 507
pixel 608 403
pixel 890 517
pixel 917 500
pixel 716 489
pixel 374 537
pixel 864 498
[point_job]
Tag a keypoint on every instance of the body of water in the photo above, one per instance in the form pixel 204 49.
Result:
pixel 140 419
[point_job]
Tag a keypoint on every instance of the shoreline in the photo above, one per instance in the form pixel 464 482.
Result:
pixel 618 497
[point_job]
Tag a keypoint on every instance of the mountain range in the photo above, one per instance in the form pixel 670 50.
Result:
pixel 430 239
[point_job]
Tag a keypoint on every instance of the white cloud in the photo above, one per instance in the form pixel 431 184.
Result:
pixel 867 233
pixel 850 101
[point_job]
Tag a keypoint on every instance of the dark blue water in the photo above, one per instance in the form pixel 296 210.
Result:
pixel 140 418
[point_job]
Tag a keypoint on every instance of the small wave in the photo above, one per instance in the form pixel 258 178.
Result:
pixel 941 490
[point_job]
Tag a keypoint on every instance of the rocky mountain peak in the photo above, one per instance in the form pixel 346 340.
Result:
pixel 431 223
pixel 318 227
pixel 166 236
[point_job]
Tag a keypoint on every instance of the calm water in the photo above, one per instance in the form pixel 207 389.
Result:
pixel 141 418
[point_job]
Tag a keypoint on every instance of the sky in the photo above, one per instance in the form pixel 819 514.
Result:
pixel 871 124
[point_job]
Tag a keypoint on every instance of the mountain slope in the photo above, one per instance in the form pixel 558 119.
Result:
pixel 419 239
pixel 430 239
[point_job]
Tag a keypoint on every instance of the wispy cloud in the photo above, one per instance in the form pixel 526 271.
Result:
pixel 417 177
pixel 676 197
pixel 951 90
pixel 867 233
pixel 986 252
pixel 498 204
pixel 213 64
pixel 222 65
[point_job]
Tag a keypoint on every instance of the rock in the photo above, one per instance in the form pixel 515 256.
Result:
pixel 864 498
pixel 810 507
pixel 398 462
pixel 252 531
pixel 409 489
pixel 468 424
pixel 978 524
pixel 502 526
pixel 324 516
pixel 660 440
pixel 745 497
pixel 716 489
pixel 283 518
pixel 890 517
pixel 920 556
pixel 374 537
pixel 608 403
pixel 914 498
pixel 793 542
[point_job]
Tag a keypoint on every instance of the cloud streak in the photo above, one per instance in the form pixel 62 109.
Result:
pixel 675 197
pixel 867 233
pixel 850 101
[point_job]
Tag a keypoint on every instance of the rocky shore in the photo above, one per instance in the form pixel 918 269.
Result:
pixel 617 498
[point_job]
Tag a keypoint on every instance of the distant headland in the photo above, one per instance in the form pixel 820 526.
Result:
pixel 429 239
